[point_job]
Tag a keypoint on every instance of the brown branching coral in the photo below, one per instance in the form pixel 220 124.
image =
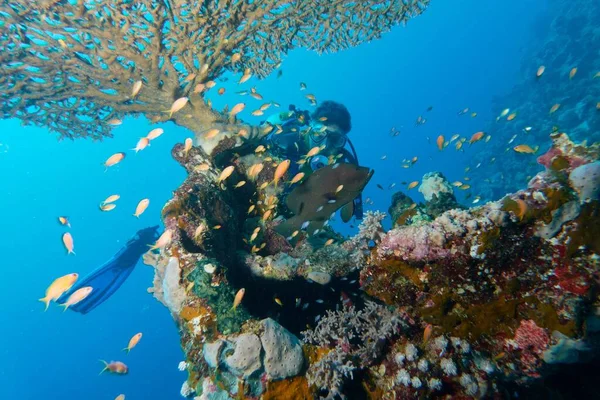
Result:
pixel 70 66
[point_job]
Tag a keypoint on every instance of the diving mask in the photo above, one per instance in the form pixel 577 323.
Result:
pixel 322 133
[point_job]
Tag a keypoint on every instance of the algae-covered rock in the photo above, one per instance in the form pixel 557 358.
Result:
pixel 283 352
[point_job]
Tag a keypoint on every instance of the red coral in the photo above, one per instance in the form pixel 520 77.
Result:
pixel 571 281
pixel 532 341
pixel 546 158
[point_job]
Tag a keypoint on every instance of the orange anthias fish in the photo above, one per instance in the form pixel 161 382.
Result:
pixel 154 133
pixel 477 136
pixel 413 185
pixel 280 171
pixel 120 397
pixel 572 73
pixel 237 109
pixel 427 333
pixel 238 298
pixel 247 75
pixel 67 240
pixel 137 86
pixel 64 221
pixel 111 199
pixel 177 105
pixel 114 159
pixel 297 178
pixel 58 287
pixel 141 144
pixel 115 367
pixel 133 342
pixel 226 173
pixel 187 146
pixel 554 108
pixel 440 142
pixel 526 149
pixel 141 207
pixel 540 71
pixel 163 240
pixel 77 296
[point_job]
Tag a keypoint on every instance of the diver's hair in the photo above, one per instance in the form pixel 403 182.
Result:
pixel 336 113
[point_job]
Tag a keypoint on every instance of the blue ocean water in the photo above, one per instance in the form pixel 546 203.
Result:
pixel 456 55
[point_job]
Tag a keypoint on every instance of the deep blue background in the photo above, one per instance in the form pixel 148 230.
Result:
pixel 458 54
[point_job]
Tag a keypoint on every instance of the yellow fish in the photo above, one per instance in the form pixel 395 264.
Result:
pixel 64 221
pixel 526 149
pixel 177 105
pixel 247 75
pixel 237 109
pixel 440 142
pixel 211 133
pixel 280 171
pixel 240 184
pixel 540 71
pixel 278 301
pixel 114 159
pixel 226 173
pixel 68 242
pixel 154 133
pixel 163 240
pixel 107 207
pixel 58 287
pixel 572 73
pixel 251 208
pixel 259 149
pixel 141 144
pixel 77 296
pixel 238 298
pixel 141 207
pixel 111 199
pixel 413 185
pixel 554 108
pixel 187 146
pixel 133 342
pixel 511 116
pixel 114 122
pixel 328 242
pixel 254 170
pixel 235 58
pixel 202 167
pixel 297 178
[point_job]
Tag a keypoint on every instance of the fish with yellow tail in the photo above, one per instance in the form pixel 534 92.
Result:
pixel 238 298
pixel 133 342
pixel 58 287
pixel 114 367
pixel 280 171
pixel 77 296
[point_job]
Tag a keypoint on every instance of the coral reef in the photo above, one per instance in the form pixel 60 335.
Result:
pixel 465 304
pixel 96 53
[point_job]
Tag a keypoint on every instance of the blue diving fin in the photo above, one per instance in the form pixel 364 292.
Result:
pixel 109 277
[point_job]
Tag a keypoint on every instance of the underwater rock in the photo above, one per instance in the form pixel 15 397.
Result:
pixel 560 216
pixel 435 184
pixel 585 179
pixel 283 352
pixel 565 351
pixel 212 353
pixel 401 204
pixel 322 278
pixel 174 294
pixel 245 359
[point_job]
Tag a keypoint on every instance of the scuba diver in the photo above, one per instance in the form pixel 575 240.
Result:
pixel 299 132
pixel 109 277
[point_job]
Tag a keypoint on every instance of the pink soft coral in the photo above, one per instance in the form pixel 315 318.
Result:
pixel 415 243
pixel 532 341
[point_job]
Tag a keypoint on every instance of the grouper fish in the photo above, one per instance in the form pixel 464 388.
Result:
pixel 315 199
